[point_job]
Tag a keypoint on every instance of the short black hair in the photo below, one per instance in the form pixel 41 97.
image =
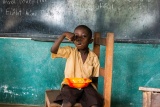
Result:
pixel 85 27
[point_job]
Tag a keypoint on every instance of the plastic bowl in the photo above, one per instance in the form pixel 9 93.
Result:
pixel 77 82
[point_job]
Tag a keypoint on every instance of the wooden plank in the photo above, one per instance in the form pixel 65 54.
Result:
pixel 155 99
pixel 108 69
pixel 146 99
pixel 52 94
pixel 101 71
pixel 101 41
pixel 98 39
pixel 149 89
pixel 96 50
pixel 96 46
pixel 50 97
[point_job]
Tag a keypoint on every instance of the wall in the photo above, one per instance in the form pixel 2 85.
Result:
pixel 27 70
pixel 134 65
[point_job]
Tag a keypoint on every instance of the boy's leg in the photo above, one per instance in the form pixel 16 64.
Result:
pixel 68 96
pixel 91 98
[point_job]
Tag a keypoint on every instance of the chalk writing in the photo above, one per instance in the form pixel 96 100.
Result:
pixel 118 5
pixel 11 2
pixel 16 8
pixel 31 1
pixel 29 12
pixel 22 11
pixel 13 11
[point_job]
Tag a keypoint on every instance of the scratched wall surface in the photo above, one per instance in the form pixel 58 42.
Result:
pixel 134 65
pixel 26 71
pixel 128 19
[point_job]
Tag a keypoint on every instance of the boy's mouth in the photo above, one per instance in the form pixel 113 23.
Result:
pixel 79 43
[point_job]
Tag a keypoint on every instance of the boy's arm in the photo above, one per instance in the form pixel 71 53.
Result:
pixel 55 47
pixel 96 71
pixel 95 81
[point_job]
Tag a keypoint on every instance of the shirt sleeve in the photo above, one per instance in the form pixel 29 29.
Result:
pixel 63 52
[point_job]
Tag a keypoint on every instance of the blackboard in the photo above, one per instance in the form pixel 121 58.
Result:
pixel 132 20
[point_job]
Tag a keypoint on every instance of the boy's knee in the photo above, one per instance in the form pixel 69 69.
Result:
pixel 94 106
pixel 66 104
pixel 97 105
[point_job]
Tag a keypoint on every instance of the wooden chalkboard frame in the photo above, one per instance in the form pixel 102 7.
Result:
pixel 52 38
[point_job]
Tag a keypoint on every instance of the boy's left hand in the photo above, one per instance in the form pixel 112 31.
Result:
pixel 69 36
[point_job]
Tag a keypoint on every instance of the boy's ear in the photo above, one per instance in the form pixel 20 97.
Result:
pixel 91 40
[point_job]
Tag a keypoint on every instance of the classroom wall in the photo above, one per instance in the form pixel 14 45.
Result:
pixel 27 70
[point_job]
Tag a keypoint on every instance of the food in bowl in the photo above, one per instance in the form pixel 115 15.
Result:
pixel 77 82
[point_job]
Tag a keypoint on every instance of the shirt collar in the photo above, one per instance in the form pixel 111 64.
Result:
pixel 90 54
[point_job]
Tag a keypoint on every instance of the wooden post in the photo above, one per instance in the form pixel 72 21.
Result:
pixel 108 69
pixel 96 47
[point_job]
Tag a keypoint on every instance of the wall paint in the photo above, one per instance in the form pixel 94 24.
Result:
pixel 27 70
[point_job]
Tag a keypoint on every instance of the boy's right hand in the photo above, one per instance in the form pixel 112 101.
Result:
pixel 69 36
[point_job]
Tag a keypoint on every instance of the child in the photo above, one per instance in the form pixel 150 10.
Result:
pixel 81 63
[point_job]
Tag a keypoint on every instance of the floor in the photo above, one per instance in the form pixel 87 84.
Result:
pixel 18 105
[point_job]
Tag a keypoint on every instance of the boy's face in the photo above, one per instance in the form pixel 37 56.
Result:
pixel 82 38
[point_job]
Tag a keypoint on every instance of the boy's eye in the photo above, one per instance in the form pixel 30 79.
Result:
pixel 75 36
pixel 84 36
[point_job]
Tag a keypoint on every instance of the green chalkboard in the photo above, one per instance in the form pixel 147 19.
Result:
pixel 133 20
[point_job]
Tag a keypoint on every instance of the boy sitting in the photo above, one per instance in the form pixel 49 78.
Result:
pixel 81 63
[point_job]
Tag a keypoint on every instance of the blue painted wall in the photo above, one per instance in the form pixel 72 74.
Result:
pixel 27 70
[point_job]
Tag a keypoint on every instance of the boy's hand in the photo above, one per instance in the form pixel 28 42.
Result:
pixel 69 36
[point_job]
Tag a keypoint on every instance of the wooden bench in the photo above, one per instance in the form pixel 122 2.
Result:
pixel 105 72
pixel 151 96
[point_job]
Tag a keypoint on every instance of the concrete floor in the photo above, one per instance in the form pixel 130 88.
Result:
pixel 18 105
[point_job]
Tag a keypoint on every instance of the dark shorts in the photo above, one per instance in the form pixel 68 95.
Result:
pixel 87 96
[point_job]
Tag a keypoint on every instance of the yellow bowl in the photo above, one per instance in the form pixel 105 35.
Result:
pixel 77 82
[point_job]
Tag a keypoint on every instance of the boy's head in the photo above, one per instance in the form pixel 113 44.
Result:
pixel 85 28
pixel 83 37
